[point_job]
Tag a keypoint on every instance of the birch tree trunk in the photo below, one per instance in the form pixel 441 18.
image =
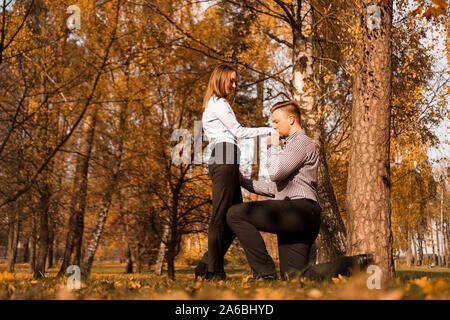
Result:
pixel 99 226
pixel 107 200
pixel 447 244
pixel 368 187
pixel 417 259
pixel 438 247
pixel 433 249
pixel 408 250
pixel 162 251
pixel 173 242
pixel 332 237
pixel 72 251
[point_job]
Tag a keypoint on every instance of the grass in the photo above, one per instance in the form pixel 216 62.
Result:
pixel 419 272
pixel 108 281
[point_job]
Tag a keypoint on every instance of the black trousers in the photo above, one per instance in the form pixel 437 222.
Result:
pixel 296 223
pixel 226 191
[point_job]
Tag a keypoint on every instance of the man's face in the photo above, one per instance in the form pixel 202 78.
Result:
pixel 281 122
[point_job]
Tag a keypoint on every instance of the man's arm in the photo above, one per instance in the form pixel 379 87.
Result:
pixel 263 188
pixel 283 162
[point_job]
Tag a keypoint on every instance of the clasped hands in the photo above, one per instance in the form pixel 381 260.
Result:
pixel 273 139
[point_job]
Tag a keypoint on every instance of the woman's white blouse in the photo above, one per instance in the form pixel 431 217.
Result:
pixel 220 124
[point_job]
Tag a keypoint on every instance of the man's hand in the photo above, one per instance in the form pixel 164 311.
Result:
pixel 274 139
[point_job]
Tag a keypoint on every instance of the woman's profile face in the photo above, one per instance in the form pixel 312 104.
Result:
pixel 232 84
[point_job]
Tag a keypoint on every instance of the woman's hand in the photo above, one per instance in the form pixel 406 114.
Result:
pixel 274 139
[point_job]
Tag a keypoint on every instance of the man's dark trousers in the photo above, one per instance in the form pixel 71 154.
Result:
pixel 296 223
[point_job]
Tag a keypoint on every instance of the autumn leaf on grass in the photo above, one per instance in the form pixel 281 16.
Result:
pixel 134 285
pixel 197 285
pixel 246 278
pixel 7 278
pixel 339 279
pixel 440 285
pixel 425 284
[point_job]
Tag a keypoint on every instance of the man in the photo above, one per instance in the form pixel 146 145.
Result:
pixel 294 214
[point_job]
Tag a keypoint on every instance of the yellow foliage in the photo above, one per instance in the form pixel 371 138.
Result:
pixel 7 278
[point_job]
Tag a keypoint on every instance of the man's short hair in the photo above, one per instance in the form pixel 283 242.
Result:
pixel 291 107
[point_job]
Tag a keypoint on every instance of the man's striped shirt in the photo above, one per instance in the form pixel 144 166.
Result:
pixel 293 170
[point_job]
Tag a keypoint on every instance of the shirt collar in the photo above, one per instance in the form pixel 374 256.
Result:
pixel 296 133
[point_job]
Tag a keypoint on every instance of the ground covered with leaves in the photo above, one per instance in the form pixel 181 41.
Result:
pixel 108 281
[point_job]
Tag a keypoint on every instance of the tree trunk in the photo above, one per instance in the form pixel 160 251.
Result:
pixel 171 259
pixel 446 244
pixel 138 257
pixel 33 241
pixel 162 251
pixel 408 251
pixel 26 251
pixel 415 255
pixel 257 142
pixel 98 231
pixel 432 240
pixel 368 187
pixel 438 247
pixel 39 270
pixel 419 249
pixel 51 242
pixel 107 199
pixel 125 240
pixel 331 240
pixel 101 218
pixel 13 239
pixel 129 267
pixel 72 252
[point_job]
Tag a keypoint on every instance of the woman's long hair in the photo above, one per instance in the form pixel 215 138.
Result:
pixel 218 83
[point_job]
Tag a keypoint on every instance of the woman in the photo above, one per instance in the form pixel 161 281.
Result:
pixel 223 131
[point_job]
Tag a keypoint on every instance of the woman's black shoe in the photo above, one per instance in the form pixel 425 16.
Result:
pixel 201 270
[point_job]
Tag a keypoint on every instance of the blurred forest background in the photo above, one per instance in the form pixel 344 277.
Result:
pixel 87 115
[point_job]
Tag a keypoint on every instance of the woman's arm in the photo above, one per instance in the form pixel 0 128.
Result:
pixel 222 110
